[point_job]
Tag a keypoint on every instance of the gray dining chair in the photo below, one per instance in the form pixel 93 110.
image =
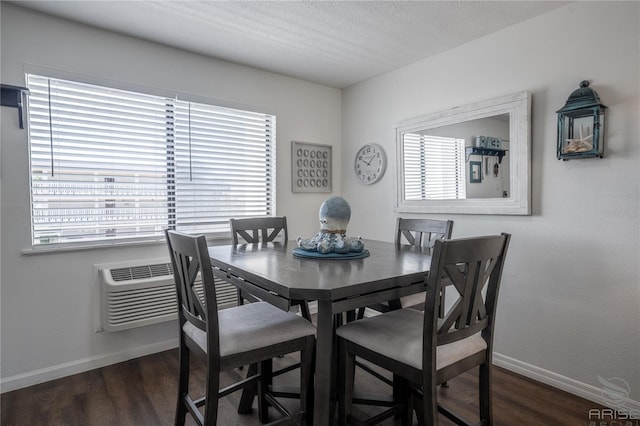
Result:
pixel 418 233
pixel 254 333
pixel 263 229
pixel 259 229
pixel 424 350
pixel 254 230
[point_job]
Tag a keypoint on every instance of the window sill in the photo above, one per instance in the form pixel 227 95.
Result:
pixel 218 238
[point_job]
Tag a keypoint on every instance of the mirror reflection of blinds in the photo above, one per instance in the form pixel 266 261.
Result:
pixel 433 167
pixel 109 164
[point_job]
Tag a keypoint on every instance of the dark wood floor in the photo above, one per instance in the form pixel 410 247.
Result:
pixel 142 392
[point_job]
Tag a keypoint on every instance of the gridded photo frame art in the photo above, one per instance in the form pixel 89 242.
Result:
pixel 310 167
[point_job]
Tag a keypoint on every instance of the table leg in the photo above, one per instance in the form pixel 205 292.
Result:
pixel 325 365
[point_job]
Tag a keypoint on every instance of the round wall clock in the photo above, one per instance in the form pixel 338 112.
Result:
pixel 370 163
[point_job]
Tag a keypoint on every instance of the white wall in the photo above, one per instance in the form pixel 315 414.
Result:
pixel 569 308
pixel 47 316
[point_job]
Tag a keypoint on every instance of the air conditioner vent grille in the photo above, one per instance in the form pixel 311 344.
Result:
pixel 141 272
pixel 145 294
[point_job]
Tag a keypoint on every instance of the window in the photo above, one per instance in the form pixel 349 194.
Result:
pixel 112 165
pixel 433 167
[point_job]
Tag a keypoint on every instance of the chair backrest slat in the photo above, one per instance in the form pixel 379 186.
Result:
pixel 259 229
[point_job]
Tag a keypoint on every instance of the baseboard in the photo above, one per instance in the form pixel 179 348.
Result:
pixel 583 390
pixel 67 369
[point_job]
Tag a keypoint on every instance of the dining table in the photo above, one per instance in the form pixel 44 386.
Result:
pixel 273 273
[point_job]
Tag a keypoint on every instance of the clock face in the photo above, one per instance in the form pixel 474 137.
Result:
pixel 370 163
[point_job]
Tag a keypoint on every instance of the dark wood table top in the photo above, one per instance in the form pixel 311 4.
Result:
pixel 273 267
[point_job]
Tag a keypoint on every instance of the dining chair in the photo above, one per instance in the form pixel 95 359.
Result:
pixel 254 333
pixel 263 229
pixel 259 229
pixel 423 349
pixel 418 233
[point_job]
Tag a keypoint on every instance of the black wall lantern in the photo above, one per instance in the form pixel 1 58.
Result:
pixel 581 125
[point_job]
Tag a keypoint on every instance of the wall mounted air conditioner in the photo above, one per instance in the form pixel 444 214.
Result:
pixel 141 293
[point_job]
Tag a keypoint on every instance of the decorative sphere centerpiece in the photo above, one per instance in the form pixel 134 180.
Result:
pixel 334 215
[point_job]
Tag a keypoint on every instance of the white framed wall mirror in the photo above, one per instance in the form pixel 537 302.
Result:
pixel 473 159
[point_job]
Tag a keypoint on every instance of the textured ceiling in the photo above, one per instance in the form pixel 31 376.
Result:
pixel 336 43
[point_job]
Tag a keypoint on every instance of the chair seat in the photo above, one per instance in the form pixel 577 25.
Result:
pixel 412 300
pixel 252 326
pixel 398 335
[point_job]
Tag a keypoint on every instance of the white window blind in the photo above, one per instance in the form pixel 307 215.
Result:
pixel 434 167
pixel 225 164
pixel 108 164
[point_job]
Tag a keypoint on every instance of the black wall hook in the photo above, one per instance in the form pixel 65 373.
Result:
pixel 12 97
